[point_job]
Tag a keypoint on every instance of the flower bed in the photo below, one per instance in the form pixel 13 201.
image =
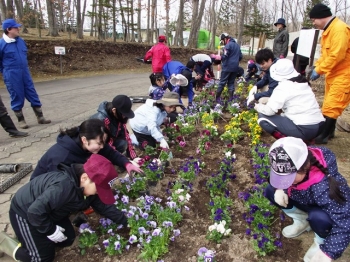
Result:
pixel 209 194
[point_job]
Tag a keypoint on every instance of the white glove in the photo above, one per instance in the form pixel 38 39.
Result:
pixel 164 144
pixel 281 198
pixel 256 107
pixel 253 91
pixel 250 99
pixel 320 257
pixel 58 236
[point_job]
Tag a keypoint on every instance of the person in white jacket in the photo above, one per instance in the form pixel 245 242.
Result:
pixel 292 109
pixel 150 116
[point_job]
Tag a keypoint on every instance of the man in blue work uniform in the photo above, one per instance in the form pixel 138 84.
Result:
pixel 15 71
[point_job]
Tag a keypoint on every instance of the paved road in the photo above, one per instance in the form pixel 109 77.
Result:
pixel 67 103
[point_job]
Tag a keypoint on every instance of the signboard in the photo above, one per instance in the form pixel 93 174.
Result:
pixel 306 41
pixel 60 50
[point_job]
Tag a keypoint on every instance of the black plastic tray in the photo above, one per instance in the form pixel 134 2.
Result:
pixel 9 179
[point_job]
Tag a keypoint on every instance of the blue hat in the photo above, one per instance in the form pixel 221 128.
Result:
pixel 281 21
pixel 251 67
pixel 10 23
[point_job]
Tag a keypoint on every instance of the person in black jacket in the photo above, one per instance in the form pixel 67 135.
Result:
pixel 40 210
pixel 76 145
pixel 115 115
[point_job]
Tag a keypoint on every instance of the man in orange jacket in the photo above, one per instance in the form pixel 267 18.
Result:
pixel 334 63
pixel 160 54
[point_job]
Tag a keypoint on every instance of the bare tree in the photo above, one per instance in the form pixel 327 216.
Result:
pixel 10 11
pixel 197 14
pixel 3 9
pixel 52 20
pixel 179 39
pixel 139 37
pixel 167 8
pixel 241 21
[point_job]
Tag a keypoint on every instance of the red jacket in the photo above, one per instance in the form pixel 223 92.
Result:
pixel 160 54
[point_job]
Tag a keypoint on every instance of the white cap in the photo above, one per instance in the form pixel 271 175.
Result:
pixel 283 69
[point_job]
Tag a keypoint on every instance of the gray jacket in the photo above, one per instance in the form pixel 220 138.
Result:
pixel 280 43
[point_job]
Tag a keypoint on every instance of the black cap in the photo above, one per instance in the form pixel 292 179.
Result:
pixel 123 105
pixel 320 11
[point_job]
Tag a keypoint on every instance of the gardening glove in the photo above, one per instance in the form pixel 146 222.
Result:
pixel 250 99
pixel 58 236
pixel 164 144
pixel 256 107
pixel 320 257
pixel 314 75
pixel 130 167
pixel 253 91
pixel 281 198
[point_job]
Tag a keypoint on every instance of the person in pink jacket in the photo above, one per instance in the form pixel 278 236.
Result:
pixel 160 54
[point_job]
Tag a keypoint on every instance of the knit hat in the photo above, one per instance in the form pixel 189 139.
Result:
pixel 283 69
pixel 10 23
pixel 281 21
pixel 123 105
pixel 287 155
pixel 320 11
pixel 102 172
pixel 170 99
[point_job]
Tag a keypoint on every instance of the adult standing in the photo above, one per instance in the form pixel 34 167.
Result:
pixel 281 41
pixel 7 123
pixel 334 63
pixel 115 115
pixel 15 71
pixel 230 65
pixel 160 54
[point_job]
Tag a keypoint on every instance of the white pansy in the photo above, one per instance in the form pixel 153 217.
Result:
pixel 212 227
pixel 181 198
pixel 227 232
pixel 223 222
pixel 221 228
pixel 228 154
pixel 179 191
pixel 188 196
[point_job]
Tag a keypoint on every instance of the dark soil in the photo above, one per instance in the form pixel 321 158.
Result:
pixel 93 57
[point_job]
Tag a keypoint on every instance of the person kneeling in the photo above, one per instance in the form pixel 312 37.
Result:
pixel 301 116
pixel 150 116
pixel 40 210
pixel 306 185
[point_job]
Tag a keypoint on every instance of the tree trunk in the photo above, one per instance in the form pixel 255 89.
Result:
pixel 148 40
pixel 167 8
pixel 37 22
pixel 51 14
pixel 19 8
pixel 241 22
pixel 153 18
pixel 10 11
pixel 124 25
pixel 196 23
pixel 179 39
pixel 80 34
pixel 139 37
pixel 132 22
pixel 3 9
pixel 213 25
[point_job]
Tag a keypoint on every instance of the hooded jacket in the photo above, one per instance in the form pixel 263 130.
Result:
pixel 116 128
pixel 68 150
pixel 315 192
pixel 52 197
pixel 160 54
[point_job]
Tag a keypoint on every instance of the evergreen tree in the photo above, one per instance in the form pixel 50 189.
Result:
pixel 309 5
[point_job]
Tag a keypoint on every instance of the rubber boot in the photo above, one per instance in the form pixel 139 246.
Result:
pixel 39 115
pixel 328 128
pixel 300 224
pixel 8 245
pixel 10 127
pixel 21 121
pixel 277 135
pixel 315 247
